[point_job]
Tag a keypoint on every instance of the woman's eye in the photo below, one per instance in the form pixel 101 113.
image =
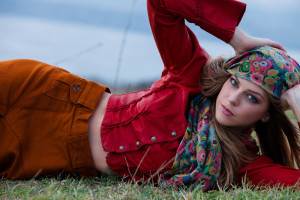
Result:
pixel 234 82
pixel 252 99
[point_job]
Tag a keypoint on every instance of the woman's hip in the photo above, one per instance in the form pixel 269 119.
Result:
pixel 44 114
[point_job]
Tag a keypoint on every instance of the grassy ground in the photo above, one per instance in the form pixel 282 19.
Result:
pixel 114 188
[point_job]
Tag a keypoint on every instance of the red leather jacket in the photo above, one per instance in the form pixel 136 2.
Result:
pixel 143 129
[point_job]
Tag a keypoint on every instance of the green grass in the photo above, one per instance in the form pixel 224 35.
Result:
pixel 116 188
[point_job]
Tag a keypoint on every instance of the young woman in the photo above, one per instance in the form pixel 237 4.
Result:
pixel 52 121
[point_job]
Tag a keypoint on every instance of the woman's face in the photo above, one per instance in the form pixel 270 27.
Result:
pixel 241 103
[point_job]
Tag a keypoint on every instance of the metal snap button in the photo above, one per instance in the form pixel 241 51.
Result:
pixel 137 143
pixel 173 134
pixel 76 87
pixel 153 138
pixel 121 148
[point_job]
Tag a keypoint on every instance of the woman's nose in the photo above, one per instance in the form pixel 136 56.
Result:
pixel 234 98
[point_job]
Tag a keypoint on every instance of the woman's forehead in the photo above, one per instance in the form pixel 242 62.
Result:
pixel 248 85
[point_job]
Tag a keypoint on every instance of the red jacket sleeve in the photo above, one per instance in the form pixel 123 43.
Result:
pixel 263 171
pixel 175 41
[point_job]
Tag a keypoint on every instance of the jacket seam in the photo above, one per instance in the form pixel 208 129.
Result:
pixel 126 122
pixel 115 109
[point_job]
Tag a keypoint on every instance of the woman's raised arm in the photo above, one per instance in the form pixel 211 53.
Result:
pixel 177 44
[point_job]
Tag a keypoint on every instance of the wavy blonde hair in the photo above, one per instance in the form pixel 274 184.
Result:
pixel 278 138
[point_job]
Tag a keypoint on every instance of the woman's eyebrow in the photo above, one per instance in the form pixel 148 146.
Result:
pixel 257 94
pixel 237 79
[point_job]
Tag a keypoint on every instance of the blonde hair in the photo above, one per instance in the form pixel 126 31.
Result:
pixel 278 138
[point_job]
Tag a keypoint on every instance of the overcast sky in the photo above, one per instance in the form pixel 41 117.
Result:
pixel 85 36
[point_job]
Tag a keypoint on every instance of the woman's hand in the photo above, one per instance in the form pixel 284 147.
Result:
pixel 242 42
pixel 291 100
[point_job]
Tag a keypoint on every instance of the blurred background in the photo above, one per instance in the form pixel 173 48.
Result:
pixel 110 41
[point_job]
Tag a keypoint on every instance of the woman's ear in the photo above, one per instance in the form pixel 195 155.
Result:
pixel 265 118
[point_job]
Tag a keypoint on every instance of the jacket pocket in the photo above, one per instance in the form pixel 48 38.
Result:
pixel 79 151
pixel 66 87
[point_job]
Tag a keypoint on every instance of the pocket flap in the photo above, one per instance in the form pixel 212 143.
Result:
pixel 79 152
pixel 66 87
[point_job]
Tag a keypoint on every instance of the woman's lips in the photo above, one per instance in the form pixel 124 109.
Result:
pixel 226 111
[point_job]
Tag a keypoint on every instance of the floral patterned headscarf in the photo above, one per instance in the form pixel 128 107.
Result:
pixel 270 68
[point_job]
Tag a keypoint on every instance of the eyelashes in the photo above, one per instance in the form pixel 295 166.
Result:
pixel 250 97
pixel 234 82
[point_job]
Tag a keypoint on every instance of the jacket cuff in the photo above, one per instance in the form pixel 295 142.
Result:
pixel 221 17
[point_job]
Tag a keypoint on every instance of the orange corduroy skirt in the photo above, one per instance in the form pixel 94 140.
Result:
pixel 44 112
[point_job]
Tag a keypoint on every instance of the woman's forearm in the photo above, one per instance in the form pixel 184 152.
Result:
pixel 219 18
pixel 176 42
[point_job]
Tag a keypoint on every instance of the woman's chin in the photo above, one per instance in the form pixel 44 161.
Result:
pixel 230 124
pixel 223 120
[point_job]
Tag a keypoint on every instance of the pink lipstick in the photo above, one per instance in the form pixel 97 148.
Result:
pixel 226 111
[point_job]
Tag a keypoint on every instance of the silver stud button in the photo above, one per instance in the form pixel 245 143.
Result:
pixel 76 87
pixel 173 134
pixel 121 148
pixel 153 138
pixel 137 143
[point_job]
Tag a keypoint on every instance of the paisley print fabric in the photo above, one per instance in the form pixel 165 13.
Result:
pixel 198 157
pixel 270 68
